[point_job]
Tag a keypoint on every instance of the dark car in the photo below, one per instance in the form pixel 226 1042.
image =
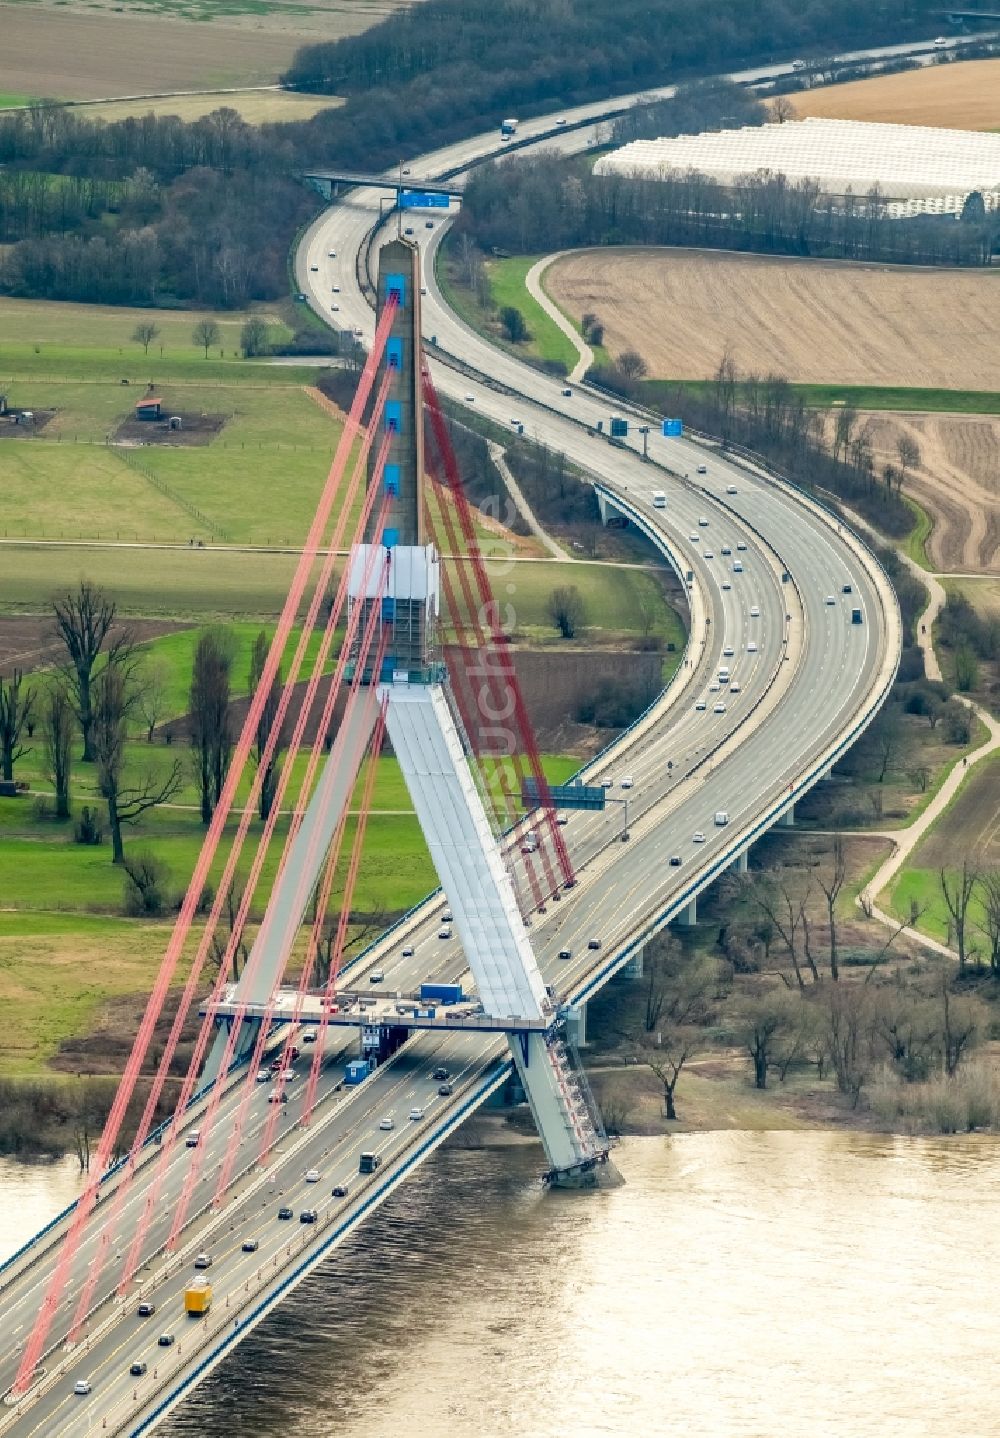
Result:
pixel 285 1212
pixel 593 943
pixel 565 953
pixel 137 1369
pixel 340 1190
pixel 674 860
pixel 308 1215
pixel 146 1310
pixel 250 1245
pixel 440 1074
pixel 166 1340
pixel 445 1090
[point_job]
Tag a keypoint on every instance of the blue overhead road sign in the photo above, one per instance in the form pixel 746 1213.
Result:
pixel 422 200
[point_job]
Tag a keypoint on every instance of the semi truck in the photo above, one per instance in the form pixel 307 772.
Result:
pixel 198 1298
pixel 508 128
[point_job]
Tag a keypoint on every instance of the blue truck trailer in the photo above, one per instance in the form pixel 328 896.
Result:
pixel 441 993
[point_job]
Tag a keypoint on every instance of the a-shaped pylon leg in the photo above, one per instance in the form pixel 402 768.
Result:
pixel 297 878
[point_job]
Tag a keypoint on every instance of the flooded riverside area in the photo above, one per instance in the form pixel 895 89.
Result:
pixel 739 1285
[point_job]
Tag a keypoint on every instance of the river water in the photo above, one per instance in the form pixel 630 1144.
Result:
pixel 740 1285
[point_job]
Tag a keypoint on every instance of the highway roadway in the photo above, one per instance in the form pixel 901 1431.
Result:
pixel 808 678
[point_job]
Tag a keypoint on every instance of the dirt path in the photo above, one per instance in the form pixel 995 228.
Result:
pixel 533 284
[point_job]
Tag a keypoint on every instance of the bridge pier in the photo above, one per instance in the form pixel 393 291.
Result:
pixel 636 966
pixel 608 509
pixel 564 1111
pixel 688 916
pixel 742 861
pixel 787 820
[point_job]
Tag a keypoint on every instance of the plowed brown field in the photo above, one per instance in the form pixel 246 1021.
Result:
pixel 962 96
pixel 61 55
pixel 813 321
pixel 957 483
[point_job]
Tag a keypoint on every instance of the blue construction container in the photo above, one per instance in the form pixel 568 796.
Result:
pixel 356 1071
pixel 441 993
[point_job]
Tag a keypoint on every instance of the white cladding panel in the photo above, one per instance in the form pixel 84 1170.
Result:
pixel 464 852
pixel 905 161
pixel 412 572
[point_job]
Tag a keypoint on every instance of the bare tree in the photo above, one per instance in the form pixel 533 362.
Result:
pixel 114 699
pixel 989 901
pixel 676 1047
pixel 17 701
pixel 145 333
pixel 785 913
pixel 781 108
pixel 209 705
pixel 84 618
pixel 961 1021
pixel 153 694
pixel 957 893
pixel 57 741
pixel 848 1042
pixel 206 334
pixel 908 451
pixel 269 781
pixel 366 928
pixel 831 881
pixel 761 1025
pixel 232 937
pixel 567 610
pixel 631 364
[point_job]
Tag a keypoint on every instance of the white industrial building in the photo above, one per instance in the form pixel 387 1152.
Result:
pixel 923 166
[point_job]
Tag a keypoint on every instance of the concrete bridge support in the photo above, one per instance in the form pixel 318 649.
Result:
pixel 742 862
pixel 688 916
pixel 635 968
pixel 787 820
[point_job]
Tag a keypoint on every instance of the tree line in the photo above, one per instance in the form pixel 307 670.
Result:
pixel 532 205
pixel 147 211
pixel 428 75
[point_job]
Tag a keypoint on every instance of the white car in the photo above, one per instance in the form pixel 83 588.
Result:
pixel 830 599
pixel 719 708
pixel 387 1123
pixel 444 933
pixel 447 916
pixel 627 782
pixel 699 837
pixel 726 584
pixel 729 651
pixel 940 43
pixel 335 308
pixel 335 290
pixel 694 538
pixel 701 705
pixel 408 952
pixel 731 489
pixel 703 469
pixel 713 688
pixel 561 120
pixel 751 647
pixel 709 554
pixel 82 1387
pixel 754 611
pixel 332 254
pixel 725 549
pixel 263 1076
pixel 416 1114
pixel 741 547
pixel 312 1175
pixel 470 399
pixel 607 783
pixel 703 522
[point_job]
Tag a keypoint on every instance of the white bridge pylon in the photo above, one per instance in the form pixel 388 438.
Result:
pixel 396 571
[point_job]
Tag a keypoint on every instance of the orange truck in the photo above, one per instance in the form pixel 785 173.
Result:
pixel 198 1298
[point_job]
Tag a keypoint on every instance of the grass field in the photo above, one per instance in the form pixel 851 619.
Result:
pixel 257 107
pixel 506 278
pixel 959 96
pixel 820 323
pixel 104 332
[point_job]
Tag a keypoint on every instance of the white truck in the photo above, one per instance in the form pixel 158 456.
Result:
pixel 507 128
